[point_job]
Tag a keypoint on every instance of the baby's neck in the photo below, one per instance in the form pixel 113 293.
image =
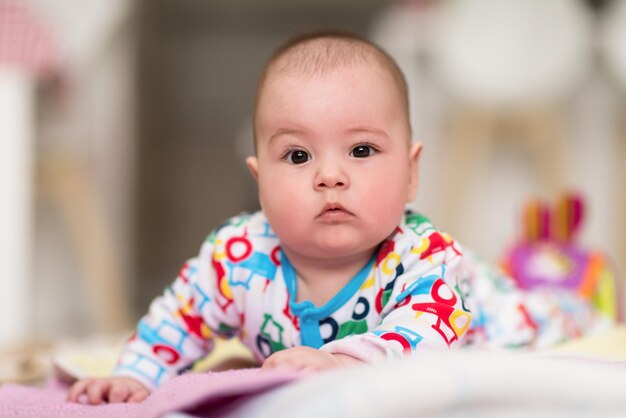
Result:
pixel 321 279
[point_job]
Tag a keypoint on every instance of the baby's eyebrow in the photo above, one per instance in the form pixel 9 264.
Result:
pixel 285 131
pixel 367 129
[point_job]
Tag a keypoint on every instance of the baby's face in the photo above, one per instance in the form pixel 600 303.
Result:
pixel 334 165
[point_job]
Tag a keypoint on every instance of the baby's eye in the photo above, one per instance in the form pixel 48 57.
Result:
pixel 297 156
pixel 362 151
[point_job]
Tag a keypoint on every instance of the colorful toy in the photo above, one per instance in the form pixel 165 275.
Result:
pixel 549 255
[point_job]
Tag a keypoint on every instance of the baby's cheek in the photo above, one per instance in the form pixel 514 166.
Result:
pixel 384 195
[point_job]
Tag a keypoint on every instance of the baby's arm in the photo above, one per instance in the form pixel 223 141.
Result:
pixel 110 389
pixel 177 331
pixel 142 353
pixel 307 359
pixel 425 310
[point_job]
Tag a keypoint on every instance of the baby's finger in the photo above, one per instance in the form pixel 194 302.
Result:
pixel 309 369
pixel 270 362
pixel 78 389
pixel 118 393
pixel 138 396
pixel 279 359
pixel 275 364
pixel 96 391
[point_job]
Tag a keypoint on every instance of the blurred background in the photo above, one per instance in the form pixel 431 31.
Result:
pixel 124 126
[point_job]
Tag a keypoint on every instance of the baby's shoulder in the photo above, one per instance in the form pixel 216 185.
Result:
pixel 242 235
pixel 416 235
pixel 416 227
pixel 244 224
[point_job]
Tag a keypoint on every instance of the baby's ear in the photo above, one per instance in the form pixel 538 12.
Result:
pixel 414 156
pixel 253 166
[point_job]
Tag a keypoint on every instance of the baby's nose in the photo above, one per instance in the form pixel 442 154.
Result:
pixel 331 176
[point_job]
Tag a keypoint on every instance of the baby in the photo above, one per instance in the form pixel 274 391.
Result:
pixel 333 271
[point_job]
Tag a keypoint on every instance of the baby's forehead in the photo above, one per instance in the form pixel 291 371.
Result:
pixel 372 75
pixel 321 56
pixel 324 55
pixel 316 60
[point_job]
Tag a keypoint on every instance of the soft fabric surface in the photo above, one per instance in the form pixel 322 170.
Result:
pixel 608 346
pixel 461 383
pixel 200 394
pixel 455 384
pixel 583 379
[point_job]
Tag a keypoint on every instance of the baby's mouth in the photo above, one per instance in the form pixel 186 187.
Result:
pixel 334 211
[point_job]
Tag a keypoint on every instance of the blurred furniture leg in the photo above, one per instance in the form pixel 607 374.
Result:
pixel 16 167
pixel 474 140
pixel 506 56
pixel 65 183
pixel 546 142
pixel 621 253
pixel 470 144
pixel 613 44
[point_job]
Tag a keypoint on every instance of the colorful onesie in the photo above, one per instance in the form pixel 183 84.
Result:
pixel 417 292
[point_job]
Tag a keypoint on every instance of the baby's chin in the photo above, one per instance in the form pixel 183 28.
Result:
pixel 341 247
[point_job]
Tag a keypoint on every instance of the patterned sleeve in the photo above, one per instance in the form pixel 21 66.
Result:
pixel 423 307
pixel 508 316
pixel 180 324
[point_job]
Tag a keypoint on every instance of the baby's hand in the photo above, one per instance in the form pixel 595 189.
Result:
pixel 109 389
pixel 306 359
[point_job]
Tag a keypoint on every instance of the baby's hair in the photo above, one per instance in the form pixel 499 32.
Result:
pixel 319 52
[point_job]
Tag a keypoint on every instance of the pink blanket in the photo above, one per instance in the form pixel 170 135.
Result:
pixel 206 395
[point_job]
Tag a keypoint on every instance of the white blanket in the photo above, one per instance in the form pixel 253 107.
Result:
pixel 455 384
